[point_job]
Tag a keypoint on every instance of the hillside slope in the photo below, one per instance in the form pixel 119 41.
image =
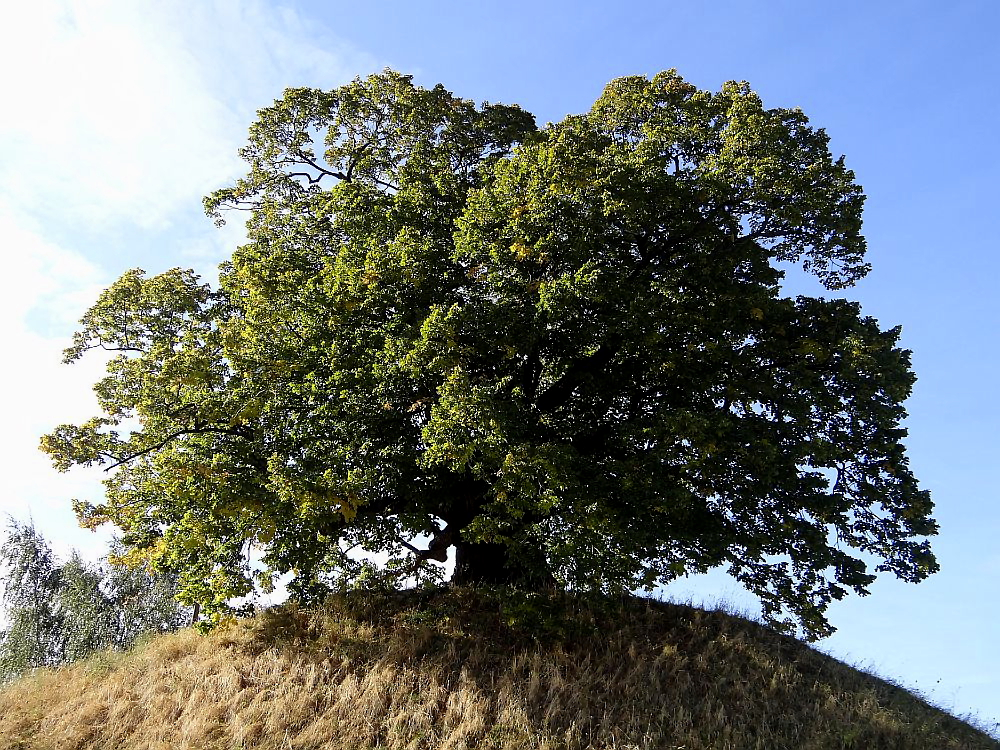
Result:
pixel 459 669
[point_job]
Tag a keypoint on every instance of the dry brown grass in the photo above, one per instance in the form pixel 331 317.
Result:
pixel 460 670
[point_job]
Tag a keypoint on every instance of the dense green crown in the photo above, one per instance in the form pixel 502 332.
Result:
pixel 563 351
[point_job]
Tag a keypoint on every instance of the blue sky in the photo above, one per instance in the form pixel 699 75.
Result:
pixel 121 114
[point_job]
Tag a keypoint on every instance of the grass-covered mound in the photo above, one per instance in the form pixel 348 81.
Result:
pixel 461 669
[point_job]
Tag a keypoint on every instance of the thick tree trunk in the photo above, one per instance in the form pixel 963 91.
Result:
pixel 481 563
pixel 492 563
pixel 488 563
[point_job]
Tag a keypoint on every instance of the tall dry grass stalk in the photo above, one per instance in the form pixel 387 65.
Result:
pixel 460 670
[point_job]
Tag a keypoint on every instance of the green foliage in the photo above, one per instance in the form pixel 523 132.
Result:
pixel 63 612
pixel 563 351
pixel 30 586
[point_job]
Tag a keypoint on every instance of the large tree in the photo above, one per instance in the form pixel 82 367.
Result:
pixel 562 351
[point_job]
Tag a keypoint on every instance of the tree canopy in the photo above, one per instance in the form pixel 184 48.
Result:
pixel 563 352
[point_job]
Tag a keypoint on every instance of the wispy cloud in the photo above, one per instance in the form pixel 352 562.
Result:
pixel 126 110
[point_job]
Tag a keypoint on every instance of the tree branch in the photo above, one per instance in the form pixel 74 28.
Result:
pixel 235 432
pixel 436 550
pixel 559 392
pixel 322 170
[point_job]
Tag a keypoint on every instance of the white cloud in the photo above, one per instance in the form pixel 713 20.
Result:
pixel 128 110
pixel 36 393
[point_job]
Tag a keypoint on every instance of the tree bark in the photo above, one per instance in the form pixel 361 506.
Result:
pixel 495 563
pixel 488 563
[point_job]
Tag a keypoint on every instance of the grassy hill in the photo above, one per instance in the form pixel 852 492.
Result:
pixel 460 669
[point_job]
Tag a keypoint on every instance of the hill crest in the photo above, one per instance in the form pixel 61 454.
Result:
pixel 462 669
